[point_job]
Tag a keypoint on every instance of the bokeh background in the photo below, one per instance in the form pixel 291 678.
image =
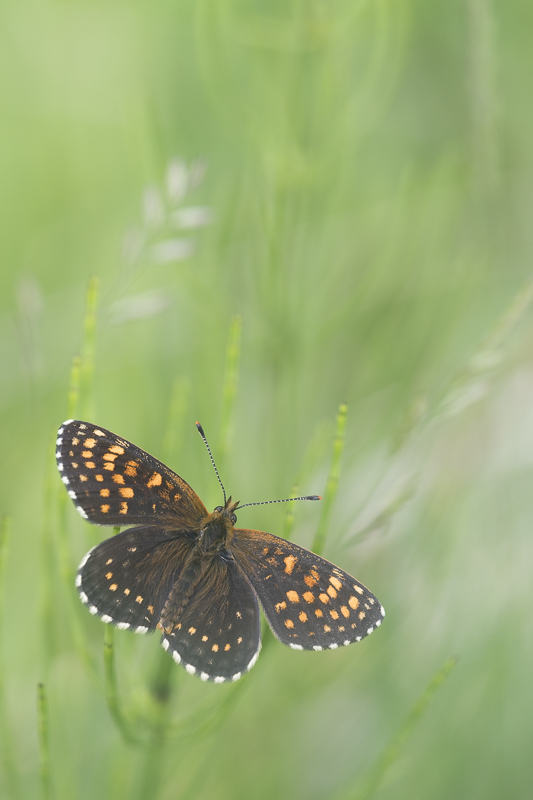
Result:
pixel 250 213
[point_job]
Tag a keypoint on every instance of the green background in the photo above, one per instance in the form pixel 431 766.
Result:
pixel 368 188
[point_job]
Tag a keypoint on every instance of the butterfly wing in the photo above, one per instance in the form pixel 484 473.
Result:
pixel 218 634
pixel 127 579
pixel 309 603
pixel 113 482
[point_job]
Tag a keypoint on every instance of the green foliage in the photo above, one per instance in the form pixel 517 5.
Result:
pixel 260 216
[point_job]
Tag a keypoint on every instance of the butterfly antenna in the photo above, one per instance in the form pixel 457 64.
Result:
pixel 202 434
pixel 287 500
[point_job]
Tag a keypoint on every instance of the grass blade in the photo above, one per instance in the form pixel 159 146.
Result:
pixel 332 482
pixel 44 745
pixel 393 750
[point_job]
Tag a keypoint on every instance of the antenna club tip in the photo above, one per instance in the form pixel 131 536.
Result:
pixel 200 429
pixel 315 497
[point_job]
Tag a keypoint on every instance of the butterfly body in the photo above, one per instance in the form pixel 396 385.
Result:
pixel 192 574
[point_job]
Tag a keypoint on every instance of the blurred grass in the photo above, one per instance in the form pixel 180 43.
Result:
pixel 359 233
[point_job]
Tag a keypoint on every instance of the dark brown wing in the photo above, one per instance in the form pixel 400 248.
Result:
pixel 114 482
pixel 217 636
pixel 127 579
pixel 309 603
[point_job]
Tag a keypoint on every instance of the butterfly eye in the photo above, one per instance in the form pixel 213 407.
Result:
pixel 219 508
pixel 233 518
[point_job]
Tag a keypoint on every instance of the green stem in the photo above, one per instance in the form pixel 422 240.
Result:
pixel 153 767
pixel 73 396
pixel 89 348
pixel 229 392
pixel 290 515
pixel 7 759
pixel 44 747
pixel 179 402
pixel 393 750
pixel 332 482
pixel 111 687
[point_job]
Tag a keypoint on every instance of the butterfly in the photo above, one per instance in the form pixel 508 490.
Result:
pixel 192 574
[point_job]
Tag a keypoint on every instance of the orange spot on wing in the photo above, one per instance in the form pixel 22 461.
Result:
pixel 344 611
pixel 123 508
pixel 331 591
pixel 309 597
pixel 117 478
pixel 336 583
pixel 289 623
pixel 302 616
pixel 324 598
pixel 353 602
pixel 104 509
pixel 113 587
pixel 281 606
pixel 127 491
pixel 290 561
pixel 104 492
pixel 293 596
pixel 155 480
pixel 115 448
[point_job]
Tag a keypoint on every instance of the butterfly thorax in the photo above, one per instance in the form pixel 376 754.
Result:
pixel 216 532
pixel 202 567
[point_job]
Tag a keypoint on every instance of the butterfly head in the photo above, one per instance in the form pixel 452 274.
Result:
pixel 228 511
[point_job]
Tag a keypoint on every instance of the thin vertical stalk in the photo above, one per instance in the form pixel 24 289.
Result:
pixel 73 395
pixel 7 759
pixel 48 561
pixel 332 483
pixel 290 515
pixel 63 546
pixel 111 687
pixel 229 392
pixel 111 684
pixel 44 744
pixel 89 349
pixel 177 410
pixel 154 758
pixel 393 750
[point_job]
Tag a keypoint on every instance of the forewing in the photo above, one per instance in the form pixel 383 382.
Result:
pixel 309 603
pixel 218 635
pixel 127 579
pixel 113 482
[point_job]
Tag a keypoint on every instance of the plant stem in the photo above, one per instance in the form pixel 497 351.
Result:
pixel 332 483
